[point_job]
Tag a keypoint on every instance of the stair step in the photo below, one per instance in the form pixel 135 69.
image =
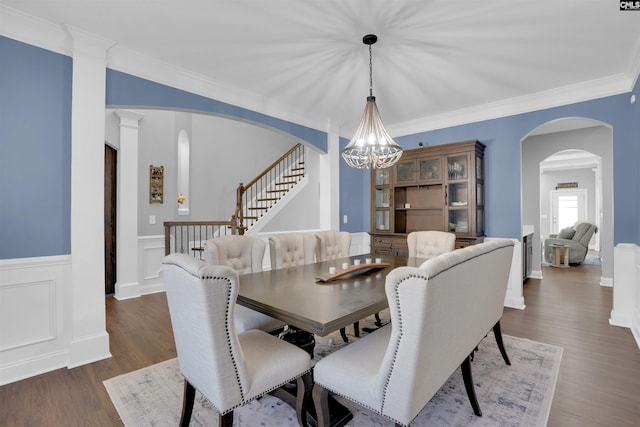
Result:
pixel 251 217
pixel 293 175
pixel 257 208
pixel 297 169
pixel 286 183
pixel 277 191
pixel 269 199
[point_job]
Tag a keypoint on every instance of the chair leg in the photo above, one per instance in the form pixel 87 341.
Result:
pixel 303 397
pixel 468 385
pixel 343 334
pixel 378 320
pixel 188 397
pixel 226 420
pixel 497 332
pixel 321 402
pixel 356 329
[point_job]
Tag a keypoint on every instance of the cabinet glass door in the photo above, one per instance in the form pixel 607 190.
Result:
pixel 430 170
pixel 382 201
pixel 459 221
pixel 405 172
pixel 457 167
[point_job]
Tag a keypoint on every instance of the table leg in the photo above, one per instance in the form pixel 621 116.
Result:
pixel 339 414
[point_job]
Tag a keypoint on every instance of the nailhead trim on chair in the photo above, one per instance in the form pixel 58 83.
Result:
pixel 468 259
pixel 227 326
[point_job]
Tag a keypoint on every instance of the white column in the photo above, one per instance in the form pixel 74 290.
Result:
pixel 127 283
pixel 89 338
pixel 330 183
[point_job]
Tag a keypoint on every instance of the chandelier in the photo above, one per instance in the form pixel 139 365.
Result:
pixel 371 146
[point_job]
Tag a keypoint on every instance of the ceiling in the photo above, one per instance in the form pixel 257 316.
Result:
pixel 433 57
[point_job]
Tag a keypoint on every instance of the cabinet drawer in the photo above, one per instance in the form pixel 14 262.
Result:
pixel 383 241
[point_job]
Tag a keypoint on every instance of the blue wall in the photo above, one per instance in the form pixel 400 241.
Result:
pixel 124 90
pixel 502 158
pixel 35 151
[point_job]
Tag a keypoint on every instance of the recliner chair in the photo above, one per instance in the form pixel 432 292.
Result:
pixel 576 238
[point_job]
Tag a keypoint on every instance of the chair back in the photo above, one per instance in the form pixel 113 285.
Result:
pixel 291 249
pixel 332 244
pixel 584 232
pixel 439 313
pixel 202 302
pixel 428 244
pixel 242 253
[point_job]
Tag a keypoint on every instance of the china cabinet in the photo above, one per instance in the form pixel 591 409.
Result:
pixel 430 188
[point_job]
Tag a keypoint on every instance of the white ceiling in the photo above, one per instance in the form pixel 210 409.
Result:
pixel 433 58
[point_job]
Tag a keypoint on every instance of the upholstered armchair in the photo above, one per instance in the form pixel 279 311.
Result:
pixel 576 238
pixel 228 368
pixel 428 244
pixel 438 317
pixel 244 254
pixel 291 249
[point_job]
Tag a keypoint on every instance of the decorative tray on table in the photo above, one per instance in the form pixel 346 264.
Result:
pixel 352 270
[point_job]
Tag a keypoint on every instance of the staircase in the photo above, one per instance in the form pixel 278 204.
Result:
pixel 261 194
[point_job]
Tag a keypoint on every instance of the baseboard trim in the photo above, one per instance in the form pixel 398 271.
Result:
pixel 33 366
pixel 127 290
pixel 89 349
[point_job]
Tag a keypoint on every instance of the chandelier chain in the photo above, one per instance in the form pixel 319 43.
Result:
pixel 370 73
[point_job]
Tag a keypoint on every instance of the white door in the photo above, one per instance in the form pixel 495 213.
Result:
pixel 567 207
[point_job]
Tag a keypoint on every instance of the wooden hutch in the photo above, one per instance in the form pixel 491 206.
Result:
pixel 430 188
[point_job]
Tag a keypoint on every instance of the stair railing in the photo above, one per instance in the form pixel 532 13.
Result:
pixel 189 237
pixel 254 199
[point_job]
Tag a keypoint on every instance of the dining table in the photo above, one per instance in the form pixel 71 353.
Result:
pixel 323 297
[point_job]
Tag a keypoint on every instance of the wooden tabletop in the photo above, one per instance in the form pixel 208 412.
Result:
pixel 294 296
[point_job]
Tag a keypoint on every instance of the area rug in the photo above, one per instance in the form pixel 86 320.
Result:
pixel 516 395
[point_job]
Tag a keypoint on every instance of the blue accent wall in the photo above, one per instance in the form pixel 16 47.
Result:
pixel 502 159
pixel 355 187
pixel 125 90
pixel 35 151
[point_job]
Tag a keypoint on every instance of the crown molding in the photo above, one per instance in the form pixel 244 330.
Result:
pixel 137 64
pixel 34 31
pixel 585 91
pixel 44 34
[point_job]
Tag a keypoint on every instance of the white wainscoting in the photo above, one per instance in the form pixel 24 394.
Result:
pixel 626 290
pixel 34 324
pixel 150 254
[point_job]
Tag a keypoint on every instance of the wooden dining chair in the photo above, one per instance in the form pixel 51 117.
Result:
pixel 332 245
pixel 245 255
pixel 230 369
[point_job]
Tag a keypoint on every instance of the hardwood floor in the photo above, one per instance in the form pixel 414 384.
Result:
pixel 598 384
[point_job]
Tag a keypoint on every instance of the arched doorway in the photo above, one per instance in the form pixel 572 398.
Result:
pixel 568 135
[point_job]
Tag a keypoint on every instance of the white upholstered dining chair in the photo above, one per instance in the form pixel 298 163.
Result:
pixel 439 313
pixel 228 368
pixel 330 245
pixel 245 255
pixel 428 244
pixel 291 249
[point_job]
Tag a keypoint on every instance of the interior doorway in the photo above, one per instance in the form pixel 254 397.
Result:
pixel 567 208
pixel 110 215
